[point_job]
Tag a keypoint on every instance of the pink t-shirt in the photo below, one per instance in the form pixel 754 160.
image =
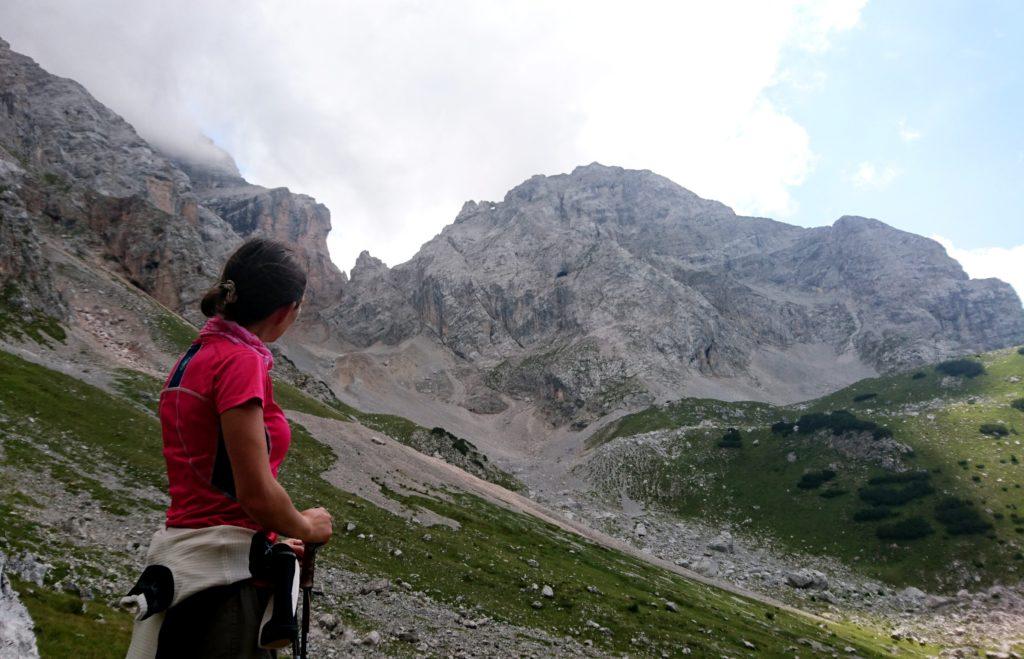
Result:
pixel 215 374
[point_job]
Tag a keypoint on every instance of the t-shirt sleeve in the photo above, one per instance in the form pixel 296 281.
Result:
pixel 240 378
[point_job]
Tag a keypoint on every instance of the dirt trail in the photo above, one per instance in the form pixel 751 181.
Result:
pixel 364 454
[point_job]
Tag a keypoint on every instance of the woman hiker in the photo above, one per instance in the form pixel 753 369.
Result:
pixel 219 580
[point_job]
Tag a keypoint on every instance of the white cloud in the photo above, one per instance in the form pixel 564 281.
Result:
pixel 1006 263
pixel 908 134
pixel 394 112
pixel 876 177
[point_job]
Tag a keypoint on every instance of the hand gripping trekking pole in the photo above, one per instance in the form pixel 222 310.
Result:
pixel 306 585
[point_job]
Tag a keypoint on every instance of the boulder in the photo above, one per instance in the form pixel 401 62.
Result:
pixel 807 579
pixel 706 566
pixel 722 542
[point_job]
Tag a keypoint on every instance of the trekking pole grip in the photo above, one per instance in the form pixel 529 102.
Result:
pixel 308 564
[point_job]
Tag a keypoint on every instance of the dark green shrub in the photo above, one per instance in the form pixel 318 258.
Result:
pixel 814 479
pixel 832 493
pixel 437 431
pixel 965 368
pixel 1018 404
pixel 463 446
pixel 899 478
pixel 994 429
pixel 911 528
pixel 872 514
pixel 884 495
pixel 731 439
pixel 839 422
pixel 1020 351
pixel 881 433
pixel 960 517
pixel 782 427
pixel 920 375
pixel 860 398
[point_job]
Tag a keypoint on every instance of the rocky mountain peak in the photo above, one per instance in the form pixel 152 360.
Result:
pixel 85 180
pixel 367 266
pixel 607 286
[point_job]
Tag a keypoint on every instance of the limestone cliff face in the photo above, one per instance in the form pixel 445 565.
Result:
pixel 74 173
pixel 605 286
pixel 294 219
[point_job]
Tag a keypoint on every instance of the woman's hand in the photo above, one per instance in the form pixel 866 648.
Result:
pixel 297 546
pixel 320 525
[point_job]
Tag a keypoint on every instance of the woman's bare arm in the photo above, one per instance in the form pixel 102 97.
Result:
pixel 256 489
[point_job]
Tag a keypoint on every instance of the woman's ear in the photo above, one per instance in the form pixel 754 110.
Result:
pixel 281 313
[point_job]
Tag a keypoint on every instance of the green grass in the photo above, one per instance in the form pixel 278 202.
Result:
pixel 170 331
pixel 687 412
pixel 482 564
pixel 65 626
pixel 66 420
pixel 19 324
pixel 759 484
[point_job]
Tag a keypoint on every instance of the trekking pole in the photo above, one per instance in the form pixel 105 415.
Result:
pixel 306 584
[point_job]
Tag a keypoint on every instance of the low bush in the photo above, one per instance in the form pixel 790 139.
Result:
pixel 881 433
pixel 832 493
pixel 965 368
pixel 814 479
pixel 960 517
pixel 911 528
pixel 994 429
pixel 839 422
pixel 899 478
pixel 1020 351
pixel 463 446
pixel 1018 404
pixel 920 375
pixel 872 514
pixel 731 439
pixel 860 398
pixel 884 495
pixel 783 427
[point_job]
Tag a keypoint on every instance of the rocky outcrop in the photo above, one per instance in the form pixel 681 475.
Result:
pixel 16 636
pixel 74 172
pixel 608 287
pixel 295 219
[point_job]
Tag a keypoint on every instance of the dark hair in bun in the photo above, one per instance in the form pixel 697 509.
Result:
pixel 259 278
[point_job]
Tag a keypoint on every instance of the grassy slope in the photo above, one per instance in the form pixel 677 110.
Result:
pixel 758 484
pixel 52 423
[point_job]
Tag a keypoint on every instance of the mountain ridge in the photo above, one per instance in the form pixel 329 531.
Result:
pixel 517 280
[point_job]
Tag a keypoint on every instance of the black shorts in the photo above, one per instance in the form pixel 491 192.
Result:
pixel 216 623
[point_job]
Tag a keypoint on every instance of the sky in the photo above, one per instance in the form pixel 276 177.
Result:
pixel 395 112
